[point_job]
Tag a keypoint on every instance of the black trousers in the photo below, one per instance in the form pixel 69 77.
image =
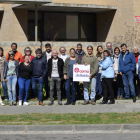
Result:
pixel 107 88
pixel 137 87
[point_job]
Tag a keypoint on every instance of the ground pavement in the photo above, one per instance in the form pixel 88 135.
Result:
pixel 120 106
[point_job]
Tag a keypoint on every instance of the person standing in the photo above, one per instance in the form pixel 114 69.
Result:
pixel 68 76
pixel 91 60
pixel 99 56
pixel 47 54
pixel 25 73
pixel 18 55
pixel 109 45
pixel 2 62
pixel 63 56
pixel 40 69
pixel 27 52
pixel 80 52
pixel 10 74
pixel 118 83
pixel 135 51
pixel 107 77
pixel 55 74
pixel 127 64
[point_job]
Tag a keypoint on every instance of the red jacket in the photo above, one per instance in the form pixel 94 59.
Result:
pixel 31 58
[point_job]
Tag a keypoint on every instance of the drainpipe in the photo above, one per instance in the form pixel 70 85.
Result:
pixel 36 22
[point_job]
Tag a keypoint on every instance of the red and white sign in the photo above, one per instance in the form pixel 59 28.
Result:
pixel 81 73
pixel 137 19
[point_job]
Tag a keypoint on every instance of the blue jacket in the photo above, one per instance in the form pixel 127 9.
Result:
pixel 40 67
pixel 127 62
pixel 6 69
pixel 107 68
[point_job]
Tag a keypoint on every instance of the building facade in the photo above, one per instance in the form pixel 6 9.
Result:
pixel 72 21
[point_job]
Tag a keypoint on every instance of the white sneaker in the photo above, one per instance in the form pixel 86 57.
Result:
pixel 2 104
pixel 25 103
pixel 20 102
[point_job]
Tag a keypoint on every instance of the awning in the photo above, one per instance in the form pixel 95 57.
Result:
pixel 25 1
pixel 64 7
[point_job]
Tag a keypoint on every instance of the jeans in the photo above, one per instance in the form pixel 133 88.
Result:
pixel 119 85
pixel 107 87
pixel 11 84
pixel 38 93
pixel 93 89
pixel 74 89
pixel 128 82
pixel 4 88
pixel 24 85
pixel 56 81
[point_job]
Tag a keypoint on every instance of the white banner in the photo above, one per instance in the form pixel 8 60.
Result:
pixel 81 73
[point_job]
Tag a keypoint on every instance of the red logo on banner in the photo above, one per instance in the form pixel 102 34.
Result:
pixel 137 19
pixel 76 70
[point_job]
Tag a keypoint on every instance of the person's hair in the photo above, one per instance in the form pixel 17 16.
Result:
pixel 48 45
pixel 107 52
pixel 25 56
pixel 108 43
pixel 99 54
pixel 38 50
pixel 1 50
pixel 72 49
pixel 110 50
pixel 123 45
pixel 54 50
pixel 132 50
pixel 116 49
pixel 89 46
pixel 62 47
pixel 27 48
pixel 10 53
pixel 79 45
pixel 14 44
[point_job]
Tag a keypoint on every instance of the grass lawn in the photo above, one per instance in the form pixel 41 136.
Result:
pixel 50 119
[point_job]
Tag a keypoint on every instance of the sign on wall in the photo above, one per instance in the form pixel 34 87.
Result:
pixel 137 19
pixel 81 73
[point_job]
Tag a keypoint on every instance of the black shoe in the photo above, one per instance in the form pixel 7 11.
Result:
pixel 73 103
pixel 67 103
pixel 50 103
pixel 103 102
pixel 60 103
pixel 111 102
pixel 134 99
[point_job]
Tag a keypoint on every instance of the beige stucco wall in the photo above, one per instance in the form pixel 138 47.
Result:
pixel 120 27
pixel 14 24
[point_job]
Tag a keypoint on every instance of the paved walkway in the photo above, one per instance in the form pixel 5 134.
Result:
pixel 120 106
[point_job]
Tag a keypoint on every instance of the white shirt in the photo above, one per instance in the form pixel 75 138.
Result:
pixel 54 68
pixel 48 55
pixel 63 57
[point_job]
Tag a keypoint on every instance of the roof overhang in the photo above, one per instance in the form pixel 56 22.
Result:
pixel 25 1
pixel 63 7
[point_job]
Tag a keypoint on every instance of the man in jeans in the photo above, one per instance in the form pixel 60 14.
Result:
pixel 40 69
pixel 55 74
pixel 47 54
pixel 91 60
pixel 127 64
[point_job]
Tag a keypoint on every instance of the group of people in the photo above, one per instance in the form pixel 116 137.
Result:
pixel 112 73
